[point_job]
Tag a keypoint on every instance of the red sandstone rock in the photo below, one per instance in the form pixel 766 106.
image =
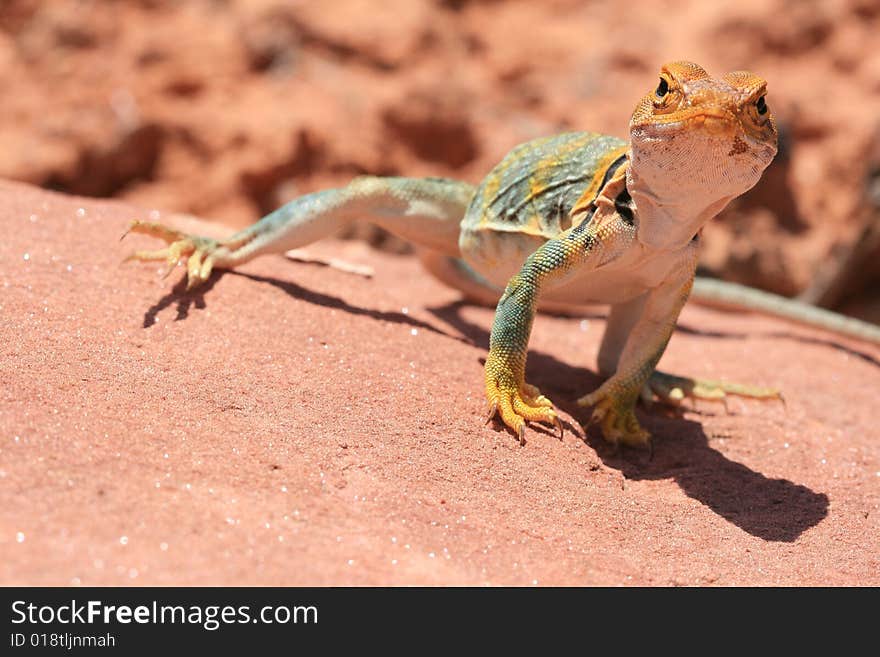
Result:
pixel 293 424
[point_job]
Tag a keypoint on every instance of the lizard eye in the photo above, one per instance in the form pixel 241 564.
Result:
pixel 761 106
pixel 662 88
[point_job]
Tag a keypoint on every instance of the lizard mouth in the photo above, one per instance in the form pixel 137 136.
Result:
pixel 715 121
pixel 722 127
pixel 716 124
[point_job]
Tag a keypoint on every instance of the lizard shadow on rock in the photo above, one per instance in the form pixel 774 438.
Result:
pixel 329 301
pixel 184 298
pixel 823 342
pixel 770 509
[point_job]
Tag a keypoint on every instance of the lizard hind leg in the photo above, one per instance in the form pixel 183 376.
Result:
pixel 672 390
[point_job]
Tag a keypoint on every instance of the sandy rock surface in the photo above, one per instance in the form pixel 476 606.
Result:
pixel 294 424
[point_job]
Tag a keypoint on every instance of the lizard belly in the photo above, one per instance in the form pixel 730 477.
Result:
pixel 637 271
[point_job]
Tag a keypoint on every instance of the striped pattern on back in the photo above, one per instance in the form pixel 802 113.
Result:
pixel 534 188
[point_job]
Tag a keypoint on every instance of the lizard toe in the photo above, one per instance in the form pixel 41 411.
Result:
pixel 617 419
pixel 672 390
pixel 534 397
pixel 517 406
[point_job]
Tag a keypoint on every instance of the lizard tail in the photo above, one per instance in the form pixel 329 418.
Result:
pixel 721 294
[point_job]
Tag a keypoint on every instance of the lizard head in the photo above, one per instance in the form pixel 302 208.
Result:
pixel 696 130
pixel 696 143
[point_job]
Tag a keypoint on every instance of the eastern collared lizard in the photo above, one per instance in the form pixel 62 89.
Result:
pixel 577 218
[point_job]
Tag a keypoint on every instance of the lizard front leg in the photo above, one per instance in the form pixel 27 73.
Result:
pixel 506 389
pixel 615 400
pixel 581 247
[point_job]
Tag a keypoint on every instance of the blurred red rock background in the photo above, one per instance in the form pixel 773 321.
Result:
pixel 228 108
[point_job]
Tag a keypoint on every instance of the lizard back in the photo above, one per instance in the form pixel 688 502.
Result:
pixel 533 189
pixel 528 198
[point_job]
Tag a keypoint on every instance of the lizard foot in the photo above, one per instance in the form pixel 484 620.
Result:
pixel 616 416
pixel 672 390
pixel 201 252
pixel 516 406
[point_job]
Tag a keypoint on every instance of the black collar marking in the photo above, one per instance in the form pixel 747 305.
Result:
pixel 623 202
pixel 624 206
pixel 610 171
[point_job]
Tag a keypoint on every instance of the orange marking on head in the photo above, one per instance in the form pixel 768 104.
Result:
pixel 688 97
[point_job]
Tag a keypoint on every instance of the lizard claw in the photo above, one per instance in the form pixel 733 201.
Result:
pixel 202 253
pixel 491 412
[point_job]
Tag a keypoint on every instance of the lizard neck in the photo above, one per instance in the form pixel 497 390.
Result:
pixel 669 213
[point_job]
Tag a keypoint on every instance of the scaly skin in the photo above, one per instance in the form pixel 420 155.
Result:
pixel 696 144
pixel 563 221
